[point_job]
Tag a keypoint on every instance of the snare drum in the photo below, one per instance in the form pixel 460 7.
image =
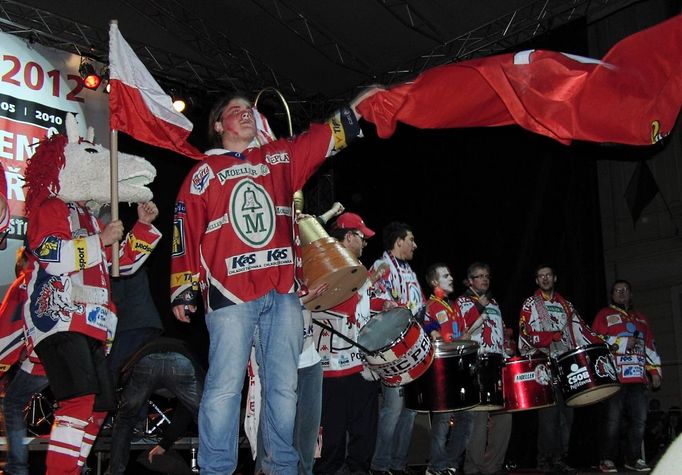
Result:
pixel 450 383
pixel 527 384
pixel 587 375
pixel 398 349
pixel 489 375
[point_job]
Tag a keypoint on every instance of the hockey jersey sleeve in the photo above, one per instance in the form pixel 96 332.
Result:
pixel 470 310
pixel 138 245
pixel 653 359
pixel 189 222
pixel 600 325
pixel 49 238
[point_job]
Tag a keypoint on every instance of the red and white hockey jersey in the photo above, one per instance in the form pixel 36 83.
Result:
pixel 233 230
pixel 398 283
pixel 489 330
pixel 442 316
pixel 68 274
pixel 339 357
pixel 620 327
pixel 543 318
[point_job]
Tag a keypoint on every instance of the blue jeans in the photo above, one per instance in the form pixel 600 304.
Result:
pixel 126 343
pixel 630 403
pixel 171 371
pixel 308 413
pixel 279 341
pixel 394 431
pixel 449 442
pixel 307 425
pixel 17 395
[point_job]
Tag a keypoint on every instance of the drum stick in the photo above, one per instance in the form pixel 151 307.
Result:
pixel 342 336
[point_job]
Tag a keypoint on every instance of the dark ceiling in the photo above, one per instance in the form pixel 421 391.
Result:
pixel 317 53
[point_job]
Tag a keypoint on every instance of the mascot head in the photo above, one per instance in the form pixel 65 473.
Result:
pixel 72 169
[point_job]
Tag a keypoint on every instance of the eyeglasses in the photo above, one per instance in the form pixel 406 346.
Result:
pixel 360 235
pixel 481 276
pixel 622 290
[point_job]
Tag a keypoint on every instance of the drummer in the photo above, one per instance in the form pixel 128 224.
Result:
pixel 550 325
pixel 629 333
pixel 399 283
pixel 442 321
pixel 349 393
pixel 490 432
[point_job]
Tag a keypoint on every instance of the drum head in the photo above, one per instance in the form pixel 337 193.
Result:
pixel 593 396
pixel 454 348
pixel 384 329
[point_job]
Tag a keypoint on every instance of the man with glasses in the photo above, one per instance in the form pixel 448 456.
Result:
pixel 349 392
pixel 638 364
pixel 398 283
pixel 489 432
pixel 550 325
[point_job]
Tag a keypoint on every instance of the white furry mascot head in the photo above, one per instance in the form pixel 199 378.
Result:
pixel 73 169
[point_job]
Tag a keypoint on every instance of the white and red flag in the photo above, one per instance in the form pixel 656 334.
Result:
pixel 632 96
pixel 137 104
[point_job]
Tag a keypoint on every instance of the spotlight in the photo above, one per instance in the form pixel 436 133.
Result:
pixel 91 79
pixel 179 104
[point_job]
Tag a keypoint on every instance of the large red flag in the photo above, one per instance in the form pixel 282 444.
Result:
pixel 137 104
pixel 632 96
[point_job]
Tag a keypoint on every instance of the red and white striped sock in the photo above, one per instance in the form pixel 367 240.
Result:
pixel 66 439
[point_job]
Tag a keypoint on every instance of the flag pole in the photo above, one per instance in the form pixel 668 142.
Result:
pixel 114 198
pixel 113 172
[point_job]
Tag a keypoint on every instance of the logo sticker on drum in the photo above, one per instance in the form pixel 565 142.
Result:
pixel 540 375
pixel 604 368
pixel 579 376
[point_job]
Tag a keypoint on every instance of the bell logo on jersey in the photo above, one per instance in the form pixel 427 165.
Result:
pixel 252 213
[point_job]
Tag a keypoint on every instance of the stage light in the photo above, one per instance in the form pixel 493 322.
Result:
pixel 91 79
pixel 179 103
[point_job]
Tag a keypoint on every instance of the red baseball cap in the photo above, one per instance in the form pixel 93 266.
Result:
pixel 353 221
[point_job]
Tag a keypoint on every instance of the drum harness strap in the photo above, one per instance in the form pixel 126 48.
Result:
pixel 342 336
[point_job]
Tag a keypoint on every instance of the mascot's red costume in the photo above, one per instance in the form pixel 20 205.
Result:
pixel 69 315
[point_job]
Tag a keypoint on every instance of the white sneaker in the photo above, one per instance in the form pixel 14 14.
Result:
pixel 445 471
pixel 639 466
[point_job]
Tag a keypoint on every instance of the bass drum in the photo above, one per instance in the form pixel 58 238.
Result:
pixel 587 375
pixel 489 375
pixel 450 384
pixel 397 348
pixel 527 384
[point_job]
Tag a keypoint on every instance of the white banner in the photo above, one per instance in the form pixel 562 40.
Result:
pixel 38 86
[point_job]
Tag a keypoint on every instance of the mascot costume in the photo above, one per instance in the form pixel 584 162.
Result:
pixel 69 316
